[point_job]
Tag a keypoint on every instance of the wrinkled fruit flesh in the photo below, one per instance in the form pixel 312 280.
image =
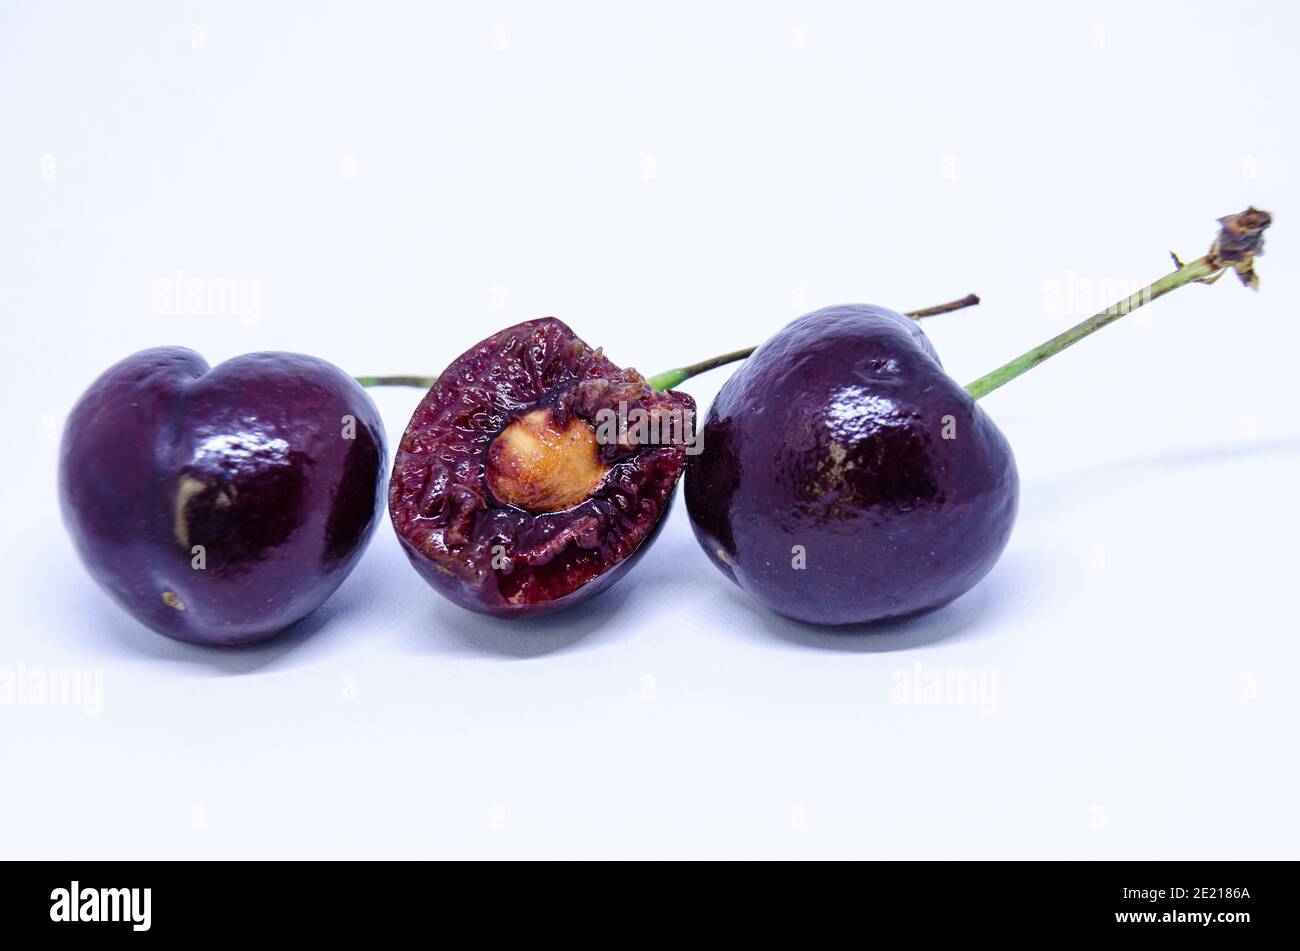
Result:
pixel 513 493
pixel 846 479
pixel 220 506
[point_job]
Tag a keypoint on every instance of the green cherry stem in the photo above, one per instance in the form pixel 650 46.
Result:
pixel 670 378
pixel 1198 270
pixel 424 382
pixel 1241 238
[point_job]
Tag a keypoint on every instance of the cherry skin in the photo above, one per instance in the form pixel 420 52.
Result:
pixel 845 478
pixel 220 506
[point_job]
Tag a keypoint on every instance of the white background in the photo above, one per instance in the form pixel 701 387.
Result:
pixel 676 180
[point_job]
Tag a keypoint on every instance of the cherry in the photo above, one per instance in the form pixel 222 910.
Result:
pixel 220 506
pixel 523 482
pixel 841 465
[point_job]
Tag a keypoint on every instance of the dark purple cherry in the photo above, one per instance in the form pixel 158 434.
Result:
pixel 219 506
pixel 535 471
pixel 845 478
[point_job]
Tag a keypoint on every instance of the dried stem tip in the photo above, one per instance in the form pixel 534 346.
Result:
pixel 1240 239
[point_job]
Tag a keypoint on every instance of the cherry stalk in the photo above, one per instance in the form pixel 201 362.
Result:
pixel 670 378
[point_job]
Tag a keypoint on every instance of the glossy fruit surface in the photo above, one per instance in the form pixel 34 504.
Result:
pixel 845 478
pixel 511 493
pixel 219 506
